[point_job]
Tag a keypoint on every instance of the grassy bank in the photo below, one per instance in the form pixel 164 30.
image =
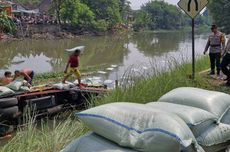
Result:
pixel 53 137
pixel 199 29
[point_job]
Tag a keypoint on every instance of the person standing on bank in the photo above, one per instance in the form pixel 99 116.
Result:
pixel 72 67
pixel 226 61
pixel 216 42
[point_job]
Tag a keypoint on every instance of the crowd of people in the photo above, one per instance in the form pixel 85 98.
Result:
pixel 34 19
pixel 217 51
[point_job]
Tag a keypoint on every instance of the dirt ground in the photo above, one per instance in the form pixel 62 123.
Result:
pixel 216 82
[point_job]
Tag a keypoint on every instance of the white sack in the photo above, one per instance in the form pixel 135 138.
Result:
pixel 215 138
pixel 15 85
pixel 226 118
pixel 63 86
pixel 4 91
pixel 94 143
pixel 215 102
pixel 139 127
pixel 197 119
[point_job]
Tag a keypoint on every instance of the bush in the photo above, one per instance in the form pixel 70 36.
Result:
pixel 100 26
pixel 6 24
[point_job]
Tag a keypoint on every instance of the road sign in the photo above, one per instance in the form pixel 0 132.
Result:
pixel 192 7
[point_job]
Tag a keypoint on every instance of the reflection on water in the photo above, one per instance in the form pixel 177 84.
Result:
pixel 123 50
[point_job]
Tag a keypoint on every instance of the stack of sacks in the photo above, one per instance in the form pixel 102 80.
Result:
pixel 181 120
pixel 216 136
pixel 138 127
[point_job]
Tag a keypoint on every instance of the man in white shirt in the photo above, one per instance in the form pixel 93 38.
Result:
pixel 215 44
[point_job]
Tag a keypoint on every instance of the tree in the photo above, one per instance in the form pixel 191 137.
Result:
pixel 220 13
pixel 77 14
pixel 107 10
pixel 6 23
pixel 141 20
pixel 125 9
pixel 160 15
pixel 56 7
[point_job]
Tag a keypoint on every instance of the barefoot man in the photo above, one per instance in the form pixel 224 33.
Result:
pixel 27 73
pixel 72 67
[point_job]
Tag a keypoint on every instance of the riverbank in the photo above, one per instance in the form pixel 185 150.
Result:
pixel 52 32
pixel 55 31
pixel 55 135
pixel 200 29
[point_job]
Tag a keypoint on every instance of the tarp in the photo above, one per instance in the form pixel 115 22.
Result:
pixel 35 11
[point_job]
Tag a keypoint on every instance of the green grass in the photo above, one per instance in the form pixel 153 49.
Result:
pixel 142 90
pixel 49 136
pixel 150 89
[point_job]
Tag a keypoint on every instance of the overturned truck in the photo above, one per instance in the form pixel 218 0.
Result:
pixel 42 101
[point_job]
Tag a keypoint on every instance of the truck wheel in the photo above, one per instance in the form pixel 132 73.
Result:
pixel 9 112
pixel 8 102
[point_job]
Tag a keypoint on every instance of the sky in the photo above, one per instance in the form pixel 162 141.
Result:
pixel 136 4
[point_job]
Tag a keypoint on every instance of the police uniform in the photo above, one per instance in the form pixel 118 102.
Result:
pixel 225 62
pixel 216 42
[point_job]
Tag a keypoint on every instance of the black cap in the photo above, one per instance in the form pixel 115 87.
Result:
pixel 214 26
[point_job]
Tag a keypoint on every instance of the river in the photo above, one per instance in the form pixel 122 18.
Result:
pixel 139 50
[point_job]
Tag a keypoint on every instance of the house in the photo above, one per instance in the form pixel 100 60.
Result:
pixel 6 7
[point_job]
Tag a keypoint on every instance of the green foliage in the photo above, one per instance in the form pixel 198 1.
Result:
pixel 160 15
pixel 99 15
pixel 6 23
pixel 125 9
pixel 50 137
pixel 108 10
pixel 141 18
pixel 157 15
pixel 101 25
pixel 220 13
pixel 153 87
pixel 77 14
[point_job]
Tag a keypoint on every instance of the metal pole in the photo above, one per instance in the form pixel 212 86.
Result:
pixel 193 50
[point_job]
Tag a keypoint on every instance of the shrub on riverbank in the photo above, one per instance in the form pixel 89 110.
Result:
pixel 6 24
pixel 142 90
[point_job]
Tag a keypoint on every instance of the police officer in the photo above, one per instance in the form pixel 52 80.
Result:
pixel 216 42
pixel 226 61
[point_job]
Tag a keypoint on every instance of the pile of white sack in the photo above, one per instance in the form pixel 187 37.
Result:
pixel 183 120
